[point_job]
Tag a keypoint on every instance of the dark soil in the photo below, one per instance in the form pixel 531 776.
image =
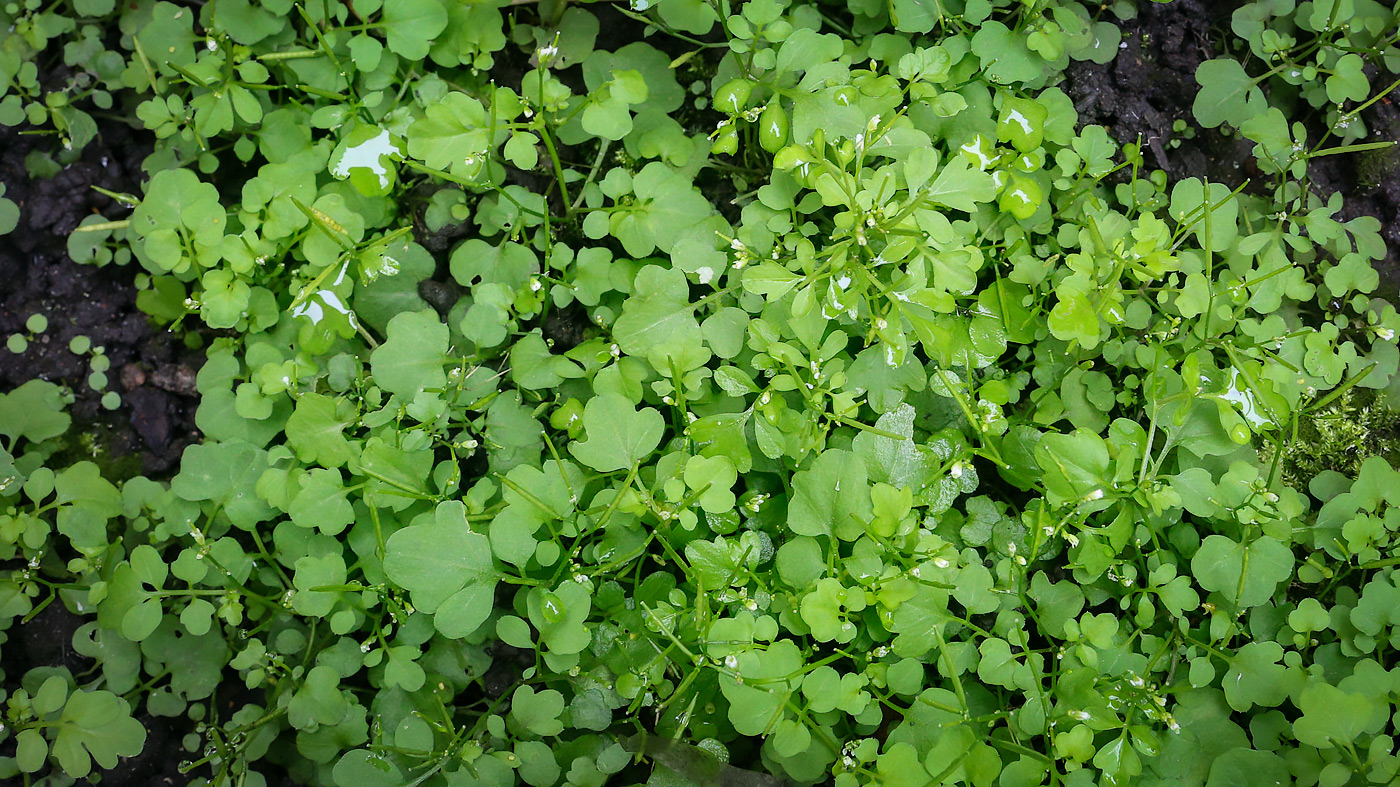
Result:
pixel 150 368
pixel 1152 84
pixel 158 764
pixel 1370 182
pixel 47 641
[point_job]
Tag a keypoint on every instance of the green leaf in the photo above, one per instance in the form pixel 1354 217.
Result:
pixel 538 711
pixel 618 435
pixel 395 472
pixel 316 429
pixel 1255 677
pixel 1189 203
pixel 1076 467
pixel 807 48
pixel 512 535
pixel 1118 761
pixel 757 709
pixel 452 135
pixel 377 301
pixel 322 503
pixel 226 475
pixel 800 562
pixel 513 433
pixel 94 7
pixel 1348 80
pixel 1246 575
pixel 33 411
pixel 1227 95
pixel 900 463
pixel 169 37
pixel 363 768
pixel 9 215
pixel 913 16
pixel 1004 54
pixel 96 726
pixel 658 322
pixel 961 187
pixel 560 616
pixel 412 357
pixel 313 572
pixel 411 25
pixel 715 475
pixel 719 561
pixel 477 262
pixel 1353 272
pixel 1333 717
pixel 770 279
pixel 89 501
pixel 666 208
pixel 735 381
pixel 51 696
pixel 31 750
pixel 318 700
pixel 1022 123
pixel 899 766
pixel 1057 603
pixel 1248 768
pixel 831 498
pixel 1074 319
pixel 533 366
pixel 447 567
pixel 824 610
pixel 607 114
pixel 402 670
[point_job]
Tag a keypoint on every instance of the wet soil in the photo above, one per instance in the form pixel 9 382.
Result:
pixel 47 641
pixel 150 368
pixel 1151 84
pixel 1371 185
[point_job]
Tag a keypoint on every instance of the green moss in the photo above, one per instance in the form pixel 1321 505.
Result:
pixel 92 442
pixel 1341 436
pixel 1375 167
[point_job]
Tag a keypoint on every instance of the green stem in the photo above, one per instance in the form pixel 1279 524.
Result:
pixel 1357 148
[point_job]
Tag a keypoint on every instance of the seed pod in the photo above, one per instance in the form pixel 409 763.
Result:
pixel 726 140
pixel 733 96
pixel 773 127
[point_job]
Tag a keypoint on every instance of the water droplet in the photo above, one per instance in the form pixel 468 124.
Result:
pixel 552 607
pixel 369 155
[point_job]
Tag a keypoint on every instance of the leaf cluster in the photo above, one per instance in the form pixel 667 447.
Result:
pixel 899 430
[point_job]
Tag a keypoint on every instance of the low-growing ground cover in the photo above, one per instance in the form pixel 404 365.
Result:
pixel 689 392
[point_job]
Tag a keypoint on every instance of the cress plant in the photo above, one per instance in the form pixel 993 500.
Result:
pixel 1313 60
pixel 905 431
